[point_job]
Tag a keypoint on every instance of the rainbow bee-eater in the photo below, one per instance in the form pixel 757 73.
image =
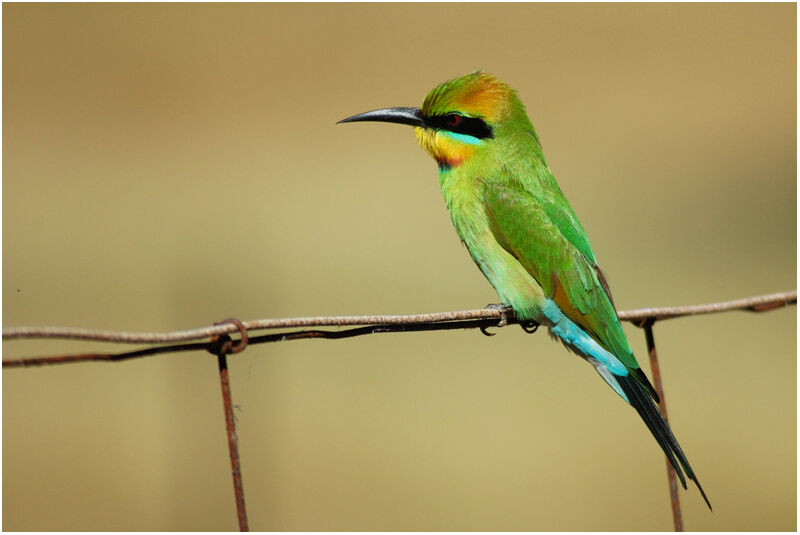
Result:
pixel 522 233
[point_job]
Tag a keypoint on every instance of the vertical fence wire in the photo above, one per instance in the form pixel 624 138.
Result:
pixel 677 517
pixel 221 345
pixel 233 443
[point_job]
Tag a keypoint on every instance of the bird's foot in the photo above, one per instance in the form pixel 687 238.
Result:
pixel 504 315
pixel 529 326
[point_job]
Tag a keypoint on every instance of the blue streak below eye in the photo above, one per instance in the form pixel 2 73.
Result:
pixel 463 138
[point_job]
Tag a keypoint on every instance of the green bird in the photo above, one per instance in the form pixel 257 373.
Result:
pixel 522 233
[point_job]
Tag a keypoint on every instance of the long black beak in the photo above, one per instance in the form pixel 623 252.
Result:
pixel 409 116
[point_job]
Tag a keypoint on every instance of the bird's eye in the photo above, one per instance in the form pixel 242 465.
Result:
pixel 457 123
pixel 453 119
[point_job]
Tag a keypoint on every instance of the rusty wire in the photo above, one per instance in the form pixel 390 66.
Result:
pixel 222 345
pixel 655 370
pixel 755 304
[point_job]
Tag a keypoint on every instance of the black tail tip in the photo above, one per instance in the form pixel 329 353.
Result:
pixel 703 494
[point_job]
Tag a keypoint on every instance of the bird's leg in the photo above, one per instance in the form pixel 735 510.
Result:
pixel 504 311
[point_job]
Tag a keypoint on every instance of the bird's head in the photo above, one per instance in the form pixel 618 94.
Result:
pixel 459 118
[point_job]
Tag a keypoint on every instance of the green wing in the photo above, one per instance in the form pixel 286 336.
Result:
pixel 541 231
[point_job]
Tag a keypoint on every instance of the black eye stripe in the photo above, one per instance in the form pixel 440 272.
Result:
pixel 471 126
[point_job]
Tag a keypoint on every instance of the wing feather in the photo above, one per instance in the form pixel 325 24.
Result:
pixel 545 236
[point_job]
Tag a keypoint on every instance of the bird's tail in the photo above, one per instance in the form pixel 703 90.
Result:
pixel 647 409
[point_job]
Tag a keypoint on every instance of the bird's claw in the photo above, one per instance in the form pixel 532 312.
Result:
pixel 529 326
pixel 503 315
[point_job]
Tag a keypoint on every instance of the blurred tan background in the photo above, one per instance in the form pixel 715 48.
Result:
pixel 168 166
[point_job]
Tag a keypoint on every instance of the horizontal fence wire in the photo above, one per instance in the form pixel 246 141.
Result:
pixel 221 345
pixel 465 319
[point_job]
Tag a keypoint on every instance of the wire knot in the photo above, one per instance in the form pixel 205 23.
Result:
pixel 222 344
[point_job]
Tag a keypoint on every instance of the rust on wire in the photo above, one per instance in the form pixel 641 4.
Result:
pixel 266 338
pixel 672 480
pixel 759 303
pixel 222 345
pixel 753 304
pixel 467 319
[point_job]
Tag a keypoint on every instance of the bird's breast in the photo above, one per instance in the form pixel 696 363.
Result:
pixel 515 286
